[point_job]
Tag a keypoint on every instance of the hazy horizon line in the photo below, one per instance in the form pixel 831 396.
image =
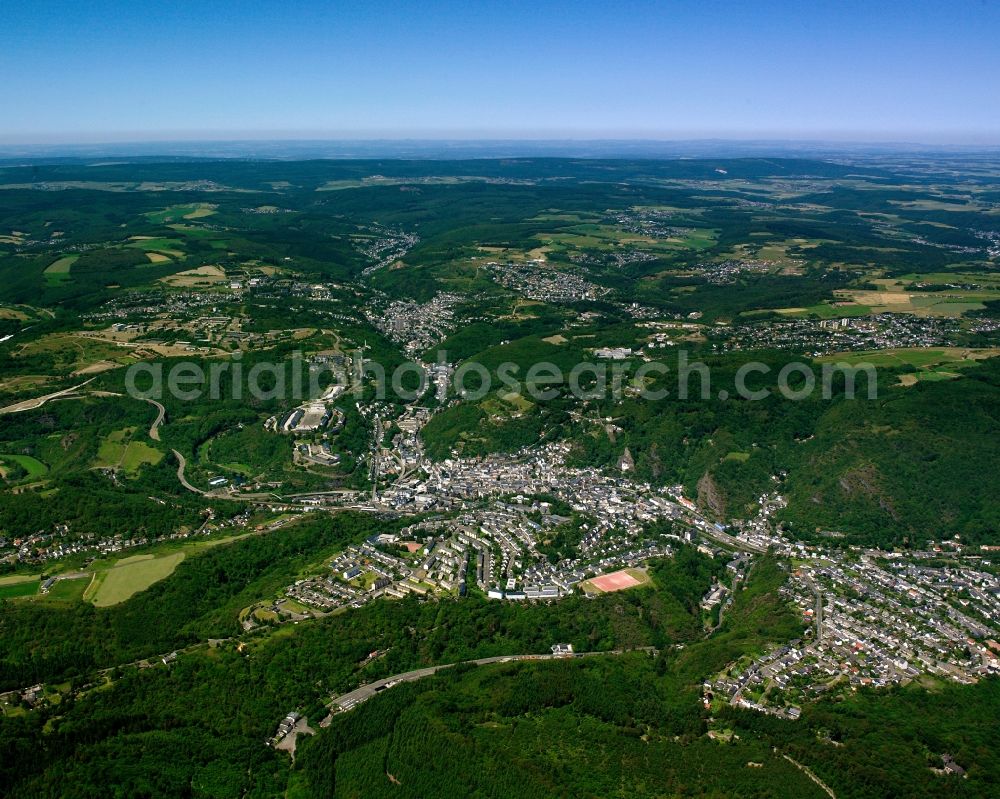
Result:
pixel 911 138
pixel 484 147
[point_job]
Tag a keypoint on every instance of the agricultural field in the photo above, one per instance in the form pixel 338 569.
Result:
pixel 120 451
pixel 173 248
pixel 59 270
pixel 203 276
pixel 926 364
pixel 605 238
pixel 176 213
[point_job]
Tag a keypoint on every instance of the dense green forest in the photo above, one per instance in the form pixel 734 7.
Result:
pixel 602 727
pixel 591 727
pixel 633 726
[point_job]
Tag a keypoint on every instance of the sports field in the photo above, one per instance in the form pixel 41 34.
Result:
pixel 616 581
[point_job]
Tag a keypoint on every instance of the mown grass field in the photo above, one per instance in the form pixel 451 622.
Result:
pixel 130 576
pixel 66 590
pixel 13 579
pixel 34 467
pixel 19 589
pixel 27 587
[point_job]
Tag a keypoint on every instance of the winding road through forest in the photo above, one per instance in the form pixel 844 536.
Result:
pixel 181 466
pixel 353 698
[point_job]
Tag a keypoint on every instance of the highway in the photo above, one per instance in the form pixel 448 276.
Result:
pixel 38 402
pixel 154 432
pixel 181 465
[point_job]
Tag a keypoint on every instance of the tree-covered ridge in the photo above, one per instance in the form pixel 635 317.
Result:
pixel 211 709
pixel 202 599
pixel 602 727
pixel 589 727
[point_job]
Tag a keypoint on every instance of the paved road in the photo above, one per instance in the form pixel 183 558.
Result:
pixel 819 605
pixel 154 431
pixel 181 466
pixel 359 695
pixel 38 402
pixel 726 603
pixel 287 744
pixel 819 616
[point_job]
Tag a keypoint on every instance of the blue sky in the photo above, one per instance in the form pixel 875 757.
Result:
pixel 875 70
